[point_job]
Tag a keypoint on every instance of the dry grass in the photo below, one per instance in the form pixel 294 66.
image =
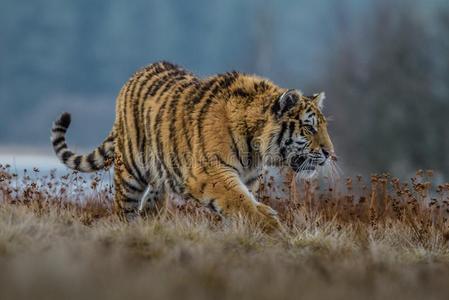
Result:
pixel 59 239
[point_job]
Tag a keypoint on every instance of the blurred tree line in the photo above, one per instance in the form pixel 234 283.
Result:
pixel 390 88
pixel 383 64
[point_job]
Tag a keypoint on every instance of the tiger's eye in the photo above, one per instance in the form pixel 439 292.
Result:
pixel 310 128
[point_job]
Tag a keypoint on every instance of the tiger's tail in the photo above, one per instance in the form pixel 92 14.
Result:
pixel 98 159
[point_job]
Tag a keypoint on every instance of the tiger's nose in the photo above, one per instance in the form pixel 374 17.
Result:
pixel 326 154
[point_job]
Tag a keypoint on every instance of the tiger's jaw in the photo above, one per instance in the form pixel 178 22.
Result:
pixel 298 164
pixel 307 166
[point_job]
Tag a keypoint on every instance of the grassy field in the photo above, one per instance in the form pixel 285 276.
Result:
pixel 373 239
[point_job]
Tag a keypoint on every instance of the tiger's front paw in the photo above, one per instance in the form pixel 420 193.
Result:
pixel 267 217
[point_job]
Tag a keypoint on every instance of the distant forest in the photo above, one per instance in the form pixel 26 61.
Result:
pixel 384 66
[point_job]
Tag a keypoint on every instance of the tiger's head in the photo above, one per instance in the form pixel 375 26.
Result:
pixel 298 135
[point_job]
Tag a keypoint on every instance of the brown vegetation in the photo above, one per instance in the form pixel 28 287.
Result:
pixel 59 239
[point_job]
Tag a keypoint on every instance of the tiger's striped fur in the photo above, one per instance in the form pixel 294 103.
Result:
pixel 94 161
pixel 205 139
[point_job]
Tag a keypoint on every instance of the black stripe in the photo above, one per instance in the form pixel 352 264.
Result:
pixel 283 152
pixel 211 205
pixel 139 138
pixel 127 199
pixel 186 125
pixel 281 133
pixel 267 105
pixel 131 187
pixel 92 161
pixel 236 150
pixel 124 183
pixel 291 129
pixel 124 161
pixel 137 173
pixel 202 187
pixel 58 140
pixel 239 92
pixel 189 195
pixel 110 138
pixel 221 161
pixel 249 157
pixel 144 143
pixel 159 146
pixel 77 161
pixel 59 129
pixel 134 105
pixel 252 180
pixel 102 151
pixel 66 156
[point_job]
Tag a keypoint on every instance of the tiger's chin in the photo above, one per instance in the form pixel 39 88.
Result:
pixel 301 164
pixel 304 168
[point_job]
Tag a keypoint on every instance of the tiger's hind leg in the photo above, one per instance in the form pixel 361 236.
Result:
pixel 133 197
pixel 133 200
pixel 128 190
pixel 127 195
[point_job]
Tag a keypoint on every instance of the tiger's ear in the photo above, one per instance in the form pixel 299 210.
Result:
pixel 319 99
pixel 285 102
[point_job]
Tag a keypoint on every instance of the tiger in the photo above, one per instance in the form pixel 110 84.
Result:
pixel 205 139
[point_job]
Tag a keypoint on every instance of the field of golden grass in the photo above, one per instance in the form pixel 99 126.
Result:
pixel 360 239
